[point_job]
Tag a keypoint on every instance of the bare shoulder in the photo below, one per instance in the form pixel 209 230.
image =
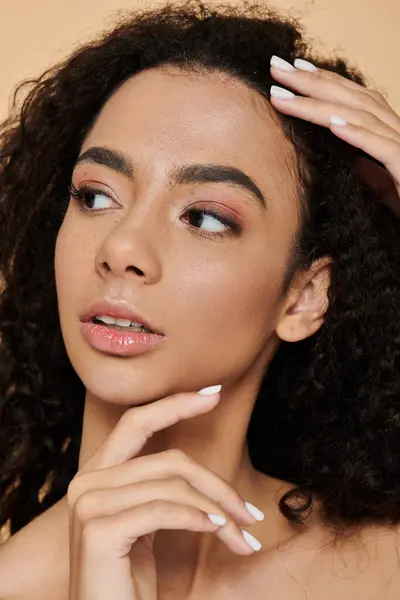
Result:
pixel 364 565
pixel 35 561
pixel 371 560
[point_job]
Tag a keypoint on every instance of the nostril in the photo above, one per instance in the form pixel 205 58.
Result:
pixel 107 268
pixel 135 270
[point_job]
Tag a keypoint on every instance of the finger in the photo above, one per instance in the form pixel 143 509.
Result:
pixel 322 87
pixel 329 75
pixel 162 466
pixel 138 424
pixel 383 149
pixel 302 65
pixel 101 503
pixel 320 113
pixel 113 536
pixel 104 502
pixel 106 542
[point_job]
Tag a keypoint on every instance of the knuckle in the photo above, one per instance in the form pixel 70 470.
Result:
pixel 162 505
pixel 179 484
pixel 163 511
pixel 378 96
pixel 157 507
pixel 176 455
pixel 197 517
pixel 372 104
pixel 137 420
pixel 182 514
pixel 363 100
pixel 75 489
pixel 368 116
pixel 130 416
pixel 84 507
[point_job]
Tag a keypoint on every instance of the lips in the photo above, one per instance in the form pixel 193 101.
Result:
pixel 117 310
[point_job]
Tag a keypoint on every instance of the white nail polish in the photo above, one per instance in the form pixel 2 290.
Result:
pixel 254 511
pixel 337 121
pixel 251 540
pixel 216 519
pixel 281 64
pixel 281 93
pixel 208 391
pixel 304 65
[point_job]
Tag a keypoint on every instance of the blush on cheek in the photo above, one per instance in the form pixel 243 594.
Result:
pixel 255 294
pixel 68 264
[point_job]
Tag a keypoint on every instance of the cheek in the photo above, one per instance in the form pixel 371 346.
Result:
pixel 73 256
pixel 60 263
pixel 225 316
pixel 232 303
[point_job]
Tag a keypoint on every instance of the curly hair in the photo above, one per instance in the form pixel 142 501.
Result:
pixel 327 416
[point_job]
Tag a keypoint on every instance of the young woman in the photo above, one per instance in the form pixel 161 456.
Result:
pixel 194 201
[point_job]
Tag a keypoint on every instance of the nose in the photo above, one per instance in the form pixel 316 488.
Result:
pixel 131 248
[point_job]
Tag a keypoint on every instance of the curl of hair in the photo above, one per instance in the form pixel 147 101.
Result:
pixel 327 416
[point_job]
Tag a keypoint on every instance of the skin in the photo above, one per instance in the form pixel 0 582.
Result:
pixel 196 277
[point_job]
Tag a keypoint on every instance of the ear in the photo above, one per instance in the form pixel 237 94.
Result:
pixel 306 302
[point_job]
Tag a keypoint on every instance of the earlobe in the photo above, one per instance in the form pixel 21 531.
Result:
pixel 306 302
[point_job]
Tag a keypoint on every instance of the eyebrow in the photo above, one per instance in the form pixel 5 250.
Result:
pixel 182 175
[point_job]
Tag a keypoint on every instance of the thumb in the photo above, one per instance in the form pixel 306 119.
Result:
pixel 137 425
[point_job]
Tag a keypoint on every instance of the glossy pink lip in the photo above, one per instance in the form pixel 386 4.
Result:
pixel 116 310
pixel 117 342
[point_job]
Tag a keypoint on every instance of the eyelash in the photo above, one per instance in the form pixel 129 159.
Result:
pixel 235 228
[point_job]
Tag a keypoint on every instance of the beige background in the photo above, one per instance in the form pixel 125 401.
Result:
pixel 36 33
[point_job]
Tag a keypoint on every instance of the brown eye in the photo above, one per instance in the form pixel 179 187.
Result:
pixel 90 198
pixel 209 220
pixel 211 223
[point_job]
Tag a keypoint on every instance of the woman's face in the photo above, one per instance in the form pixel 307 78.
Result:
pixel 211 283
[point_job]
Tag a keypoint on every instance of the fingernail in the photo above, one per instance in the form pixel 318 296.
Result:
pixel 254 511
pixel 281 93
pixel 304 65
pixel 209 391
pixel 337 121
pixel 216 519
pixel 251 540
pixel 281 64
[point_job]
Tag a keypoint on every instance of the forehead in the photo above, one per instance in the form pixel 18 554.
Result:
pixel 165 117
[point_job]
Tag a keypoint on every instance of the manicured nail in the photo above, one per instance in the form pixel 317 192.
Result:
pixel 254 511
pixel 251 540
pixel 304 65
pixel 216 519
pixel 209 391
pixel 337 121
pixel 281 64
pixel 281 93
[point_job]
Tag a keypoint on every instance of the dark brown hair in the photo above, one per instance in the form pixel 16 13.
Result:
pixel 327 417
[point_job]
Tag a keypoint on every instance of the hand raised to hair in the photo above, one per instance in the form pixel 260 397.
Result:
pixel 359 116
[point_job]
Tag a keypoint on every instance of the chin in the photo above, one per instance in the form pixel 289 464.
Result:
pixel 137 380
pixel 121 382
pixel 116 379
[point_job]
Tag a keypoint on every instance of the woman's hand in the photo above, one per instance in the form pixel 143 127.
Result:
pixel 357 115
pixel 118 502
